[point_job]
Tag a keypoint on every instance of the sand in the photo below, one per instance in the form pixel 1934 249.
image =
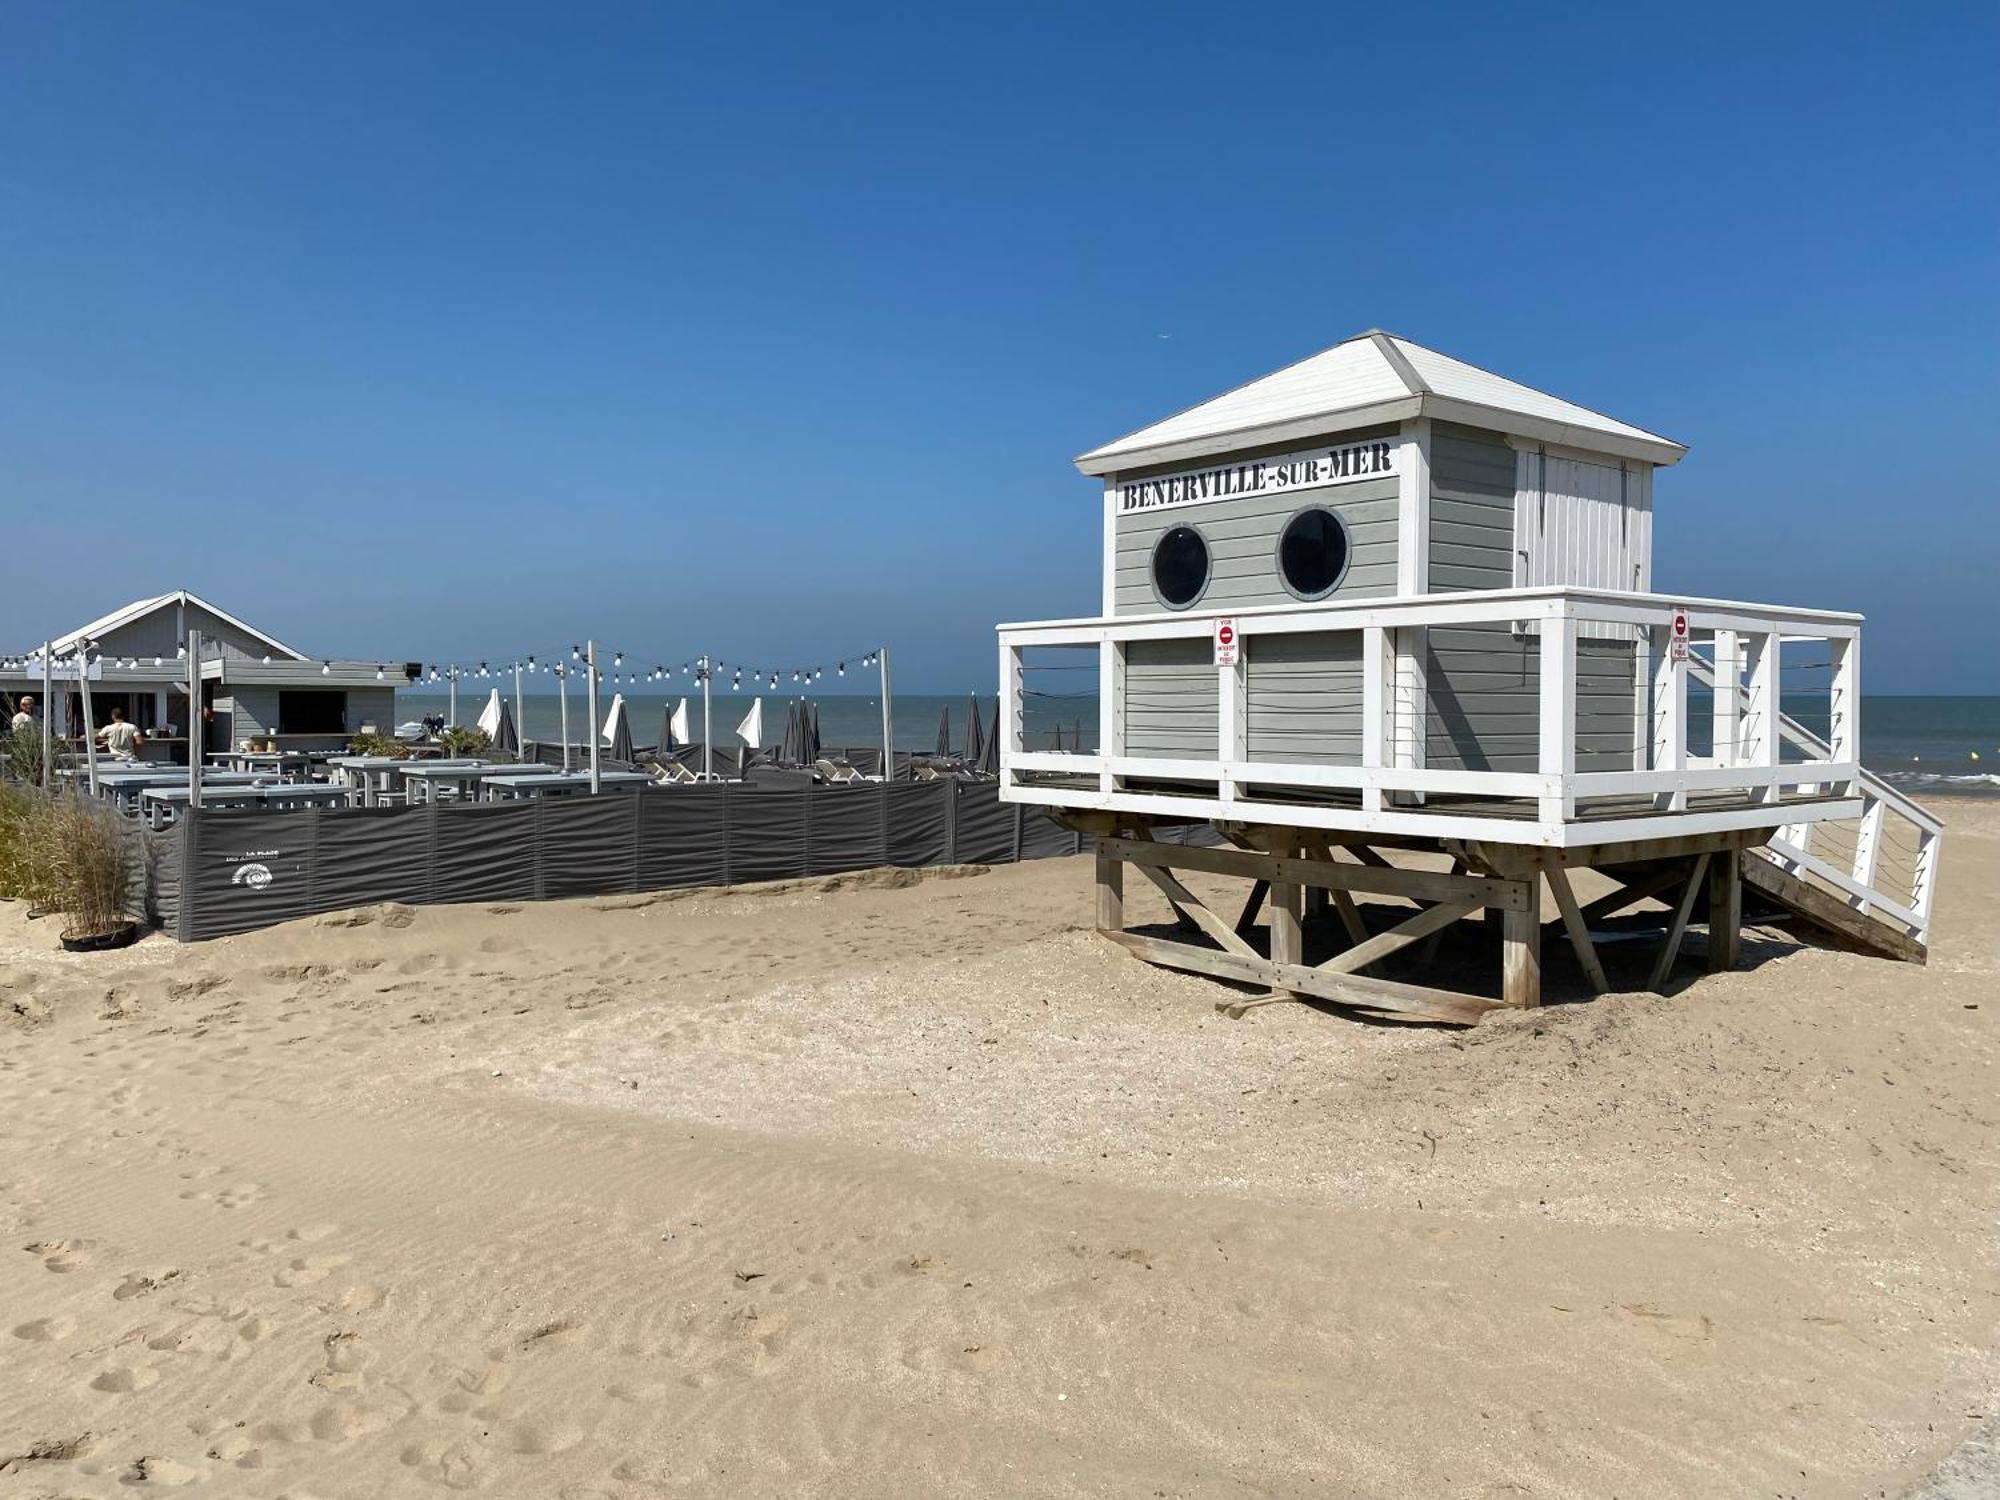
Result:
pixel 912 1187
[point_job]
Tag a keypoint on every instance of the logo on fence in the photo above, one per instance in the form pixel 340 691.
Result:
pixel 253 875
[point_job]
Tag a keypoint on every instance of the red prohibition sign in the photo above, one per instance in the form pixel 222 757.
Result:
pixel 1226 635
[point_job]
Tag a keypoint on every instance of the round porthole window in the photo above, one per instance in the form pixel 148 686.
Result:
pixel 1180 567
pixel 1312 553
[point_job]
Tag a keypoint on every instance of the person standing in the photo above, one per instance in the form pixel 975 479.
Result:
pixel 24 721
pixel 122 739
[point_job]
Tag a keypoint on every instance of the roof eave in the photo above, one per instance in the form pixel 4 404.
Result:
pixel 1646 449
pixel 1101 461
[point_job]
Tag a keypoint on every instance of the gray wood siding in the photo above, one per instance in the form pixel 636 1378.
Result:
pixel 156 634
pixel 254 711
pixel 1484 710
pixel 255 707
pixel 1243 537
pixel 1485 701
pixel 1302 698
pixel 1171 703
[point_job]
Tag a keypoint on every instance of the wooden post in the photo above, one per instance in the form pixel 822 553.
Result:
pixel 1110 891
pixel 1521 955
pixel 1725 911
pixel 1286 903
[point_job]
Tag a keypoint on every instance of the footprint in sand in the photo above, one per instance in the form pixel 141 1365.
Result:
pixel 162 1471
pixel 312 1234
pixel 454 1465
pixel 234 1196
pixel 60 1256
pixel 122 1380
pixel 308 1270
pixel 45 1330
pixel 140 1283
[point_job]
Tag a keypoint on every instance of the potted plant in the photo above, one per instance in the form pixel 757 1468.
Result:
pixel 80 853
pixel 459 740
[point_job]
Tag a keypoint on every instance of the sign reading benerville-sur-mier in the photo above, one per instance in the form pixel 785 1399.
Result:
pixel 1309 468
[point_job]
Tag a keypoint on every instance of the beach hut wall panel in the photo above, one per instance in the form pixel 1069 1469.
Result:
pixel 1242 535
pixel 1171 699
pixel 1302 698
pixel 1483 682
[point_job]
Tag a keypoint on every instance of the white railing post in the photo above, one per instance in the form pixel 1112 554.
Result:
pixel 1844 737
pixel 1232 718
pixel 1867 849
pixel 1762 742
pixel 1011 727
pixel 1378 669
pixel 1110 710
pixel 1725 741
pixel 1923 879
pixel 1557 741
pixel 1670 699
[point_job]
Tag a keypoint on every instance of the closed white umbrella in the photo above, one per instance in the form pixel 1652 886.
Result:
pixel 751 730
pixel 489 717
pixel 677 728
pixel 618 730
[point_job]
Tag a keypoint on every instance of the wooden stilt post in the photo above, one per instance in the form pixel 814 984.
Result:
pixel 1521 943
pixel 1110 892
pixel 1725 911
pixel 1521 958
pixel 1286 904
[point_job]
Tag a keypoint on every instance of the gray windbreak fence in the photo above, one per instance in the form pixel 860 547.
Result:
pixel 239 870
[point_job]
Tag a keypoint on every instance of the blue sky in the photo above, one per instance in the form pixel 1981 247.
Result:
pixel 468 330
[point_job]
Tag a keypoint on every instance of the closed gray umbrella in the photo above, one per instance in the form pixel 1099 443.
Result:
pixel 989 763
pixel 507 738
pixel 620 747
pixel 975 733
pixel 1057 746
pixel 944 733
pixel 812 733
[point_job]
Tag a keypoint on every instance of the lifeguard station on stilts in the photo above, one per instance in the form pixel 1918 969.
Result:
pixel 1385 602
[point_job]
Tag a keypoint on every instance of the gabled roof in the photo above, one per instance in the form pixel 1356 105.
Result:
pixel 140 608
pixel 1371 378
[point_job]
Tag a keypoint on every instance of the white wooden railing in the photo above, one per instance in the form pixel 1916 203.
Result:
pixel 1740 790
pixel 1860 880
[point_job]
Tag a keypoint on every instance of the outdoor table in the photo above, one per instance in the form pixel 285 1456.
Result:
pixel 374 776
pixel 163 804
pixel 271 762
pixel 561 784
pixel 125 785
pixel 432 781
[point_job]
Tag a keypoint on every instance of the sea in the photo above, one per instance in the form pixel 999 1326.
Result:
pixel 1934 745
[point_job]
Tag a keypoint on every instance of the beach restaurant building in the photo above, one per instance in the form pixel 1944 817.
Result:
pixel 1385 599
pixel 254 687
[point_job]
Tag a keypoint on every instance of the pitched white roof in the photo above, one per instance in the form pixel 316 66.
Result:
pixel 139 608
pixel 1374 377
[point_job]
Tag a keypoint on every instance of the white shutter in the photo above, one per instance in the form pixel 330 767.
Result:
pixel 1583 520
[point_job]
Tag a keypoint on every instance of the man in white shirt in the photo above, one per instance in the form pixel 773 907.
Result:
pixel 24 716
pixel 120 738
